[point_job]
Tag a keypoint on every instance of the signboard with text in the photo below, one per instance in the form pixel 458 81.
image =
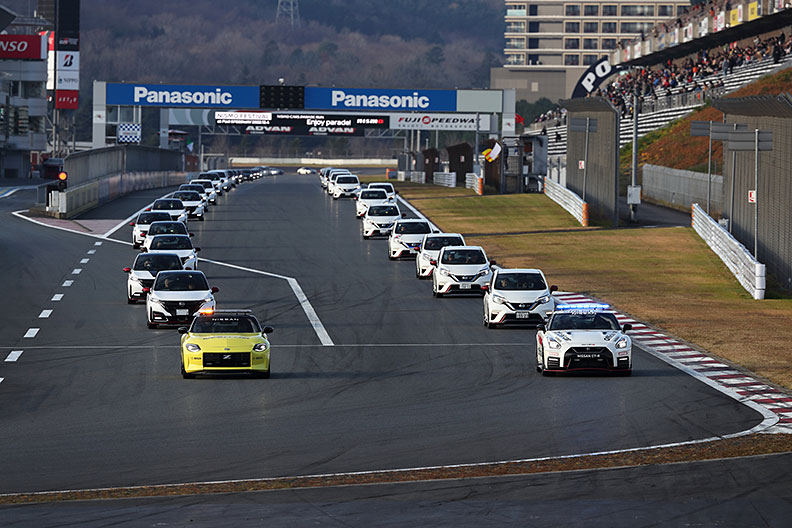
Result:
pixel 380 100
pixel 23 47
pixel 301 120
pixel 171 95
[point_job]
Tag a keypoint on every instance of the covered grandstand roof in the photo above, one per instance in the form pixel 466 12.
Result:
pixel 756 105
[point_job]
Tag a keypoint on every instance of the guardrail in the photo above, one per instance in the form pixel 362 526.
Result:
pixel 570 201
pixel 312 162
pixel 417 176
pixel 446 179
pixel 474 182
pixel 749 272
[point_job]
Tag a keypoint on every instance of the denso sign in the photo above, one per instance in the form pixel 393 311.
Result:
pixel 26 47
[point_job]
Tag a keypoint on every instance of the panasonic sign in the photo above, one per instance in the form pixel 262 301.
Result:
pixel 182 96
pixel 381 100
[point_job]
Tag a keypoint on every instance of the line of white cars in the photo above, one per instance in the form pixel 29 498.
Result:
pixel 569 336
pixel 165 273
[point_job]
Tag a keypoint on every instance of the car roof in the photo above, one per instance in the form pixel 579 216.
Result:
pixel 520 270
pixel 157 255
pixel 192 272
pixel 464 247
pixel 443 234
pixel 166 222
pixel 172 235
pixel 380 183
pixel 413 221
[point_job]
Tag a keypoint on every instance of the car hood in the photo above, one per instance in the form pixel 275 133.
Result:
pixel 180 252
pixel 196 203
pixel 411 239
pixel 226 342
pixel 193 295
pixel 382 219
pixel 586 337
pixel 521 296
pixel 141 274
pixel 463 269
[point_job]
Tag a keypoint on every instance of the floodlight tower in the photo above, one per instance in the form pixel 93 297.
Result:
pixel 288 10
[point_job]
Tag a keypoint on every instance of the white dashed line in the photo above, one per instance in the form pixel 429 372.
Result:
pixel 1 380
pixel 97 243
pixel 45 314
pixel 31 332
pixel 91 251
pixel 57 297
pixel 13 356
pixel 67 283
pixel 76 271
pixel 85 261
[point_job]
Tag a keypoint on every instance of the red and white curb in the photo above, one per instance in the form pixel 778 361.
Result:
pixel 774 404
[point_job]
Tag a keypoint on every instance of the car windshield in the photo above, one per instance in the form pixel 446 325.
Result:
pixel 520 281
pixel 413 228
pixel 167 228
pixel 225 324
pixel 147 218
pixel 209 176
pixel 385 186
pixel 373 195
pixel 463 256
pixel 197 188
pixel 187 281
pixel 156 262
pixel 584 321
pixel 437 243
pixel 205 184
pixel 347 179
pixel 187 196
pixel 383 210
pixel 171 242
pixel 170 205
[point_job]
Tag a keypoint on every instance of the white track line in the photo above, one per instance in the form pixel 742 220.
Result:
pixel 57 297
pixel 76 271
pixel 45 314
pixel 31 333
pixel 85 261
pixel 67 283
pixel 416 212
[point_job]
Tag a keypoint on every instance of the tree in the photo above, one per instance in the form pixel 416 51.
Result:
pixel 435 55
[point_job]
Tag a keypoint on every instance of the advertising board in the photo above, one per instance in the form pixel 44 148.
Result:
pixel 380 100
pixel 192 96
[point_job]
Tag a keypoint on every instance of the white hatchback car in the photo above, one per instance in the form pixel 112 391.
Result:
pixel 405 237
pixel 584 336
pixel 305 170
pixel 461 269
pixel 175 208
pixel 345 185
pixel 192 202
pixel 163 228
pixel 332 175
pixel 177 296
pixel 366 198
pixel 144 270
pixel 179 244
pixel 140 225
pixel 387 187
pixel 517 295
pixel 379 219
pixel 430 249
pixel 210 189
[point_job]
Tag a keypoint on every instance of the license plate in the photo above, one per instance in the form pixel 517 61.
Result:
pixel 523 315
pixel 182 312
pixel 464 286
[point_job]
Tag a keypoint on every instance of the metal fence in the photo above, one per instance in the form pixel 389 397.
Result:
pixel 90 165
pixel 417 176
pixel 749 272
pixel 669 100
pixel 567 199
pixel 681 188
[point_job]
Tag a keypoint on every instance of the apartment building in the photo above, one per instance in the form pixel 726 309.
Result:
pixel 549 44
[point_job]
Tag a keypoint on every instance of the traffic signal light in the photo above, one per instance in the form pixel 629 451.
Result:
pixel 282 97
pixel 62 177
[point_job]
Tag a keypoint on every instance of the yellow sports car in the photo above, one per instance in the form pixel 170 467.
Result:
pixel 225 341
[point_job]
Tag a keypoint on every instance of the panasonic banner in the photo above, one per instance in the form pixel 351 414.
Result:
pixel 181 96
pixel 380 100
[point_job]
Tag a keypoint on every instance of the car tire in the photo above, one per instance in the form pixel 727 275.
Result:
pixel 260 374
pixel 131 300
pixel 151 326
pixel 626 373
pixel 391 257
pixel 435 292
pixel 335 197
pixel 365 237
pixel 487 321
pixel 201 218
pixel 135 245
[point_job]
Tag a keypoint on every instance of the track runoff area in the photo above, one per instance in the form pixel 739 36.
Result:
pixel 373 379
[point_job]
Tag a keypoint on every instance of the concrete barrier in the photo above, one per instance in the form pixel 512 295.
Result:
pixel 749 272
pixel 474 182
pixel 77 200
pixel 570 201
pixel 446 179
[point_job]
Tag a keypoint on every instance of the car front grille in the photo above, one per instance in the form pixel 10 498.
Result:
pixel 588 357
pixel 463 278
pixel 191 306
pixel 226 359
pixel 553 362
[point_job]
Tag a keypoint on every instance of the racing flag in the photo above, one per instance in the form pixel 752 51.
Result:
pixel 491 154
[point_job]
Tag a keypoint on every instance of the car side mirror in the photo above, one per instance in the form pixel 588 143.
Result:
pixel 404 215
pixel 183 330
pixel 396 191
pixel 268 329
pixel 541 327
pixel 127 270
pixel 146 290
pixel 485 287
pixel 493 262
pixel 192 234
pixel 433 262
pixel 148 209
pixel 215 289
pixel 132 223
pixel 553 288
pixel 435 230
pixel 197 250
pixel 143 249
pixel 626 328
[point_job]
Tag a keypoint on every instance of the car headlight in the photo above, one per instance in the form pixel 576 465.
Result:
pixel 153 298
pixel 444 272
pixel 553 343
pixel 500 299
pixel 260 347
pixel 623 342
pixel 543 300
pixel 208 299
pixel 192 347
